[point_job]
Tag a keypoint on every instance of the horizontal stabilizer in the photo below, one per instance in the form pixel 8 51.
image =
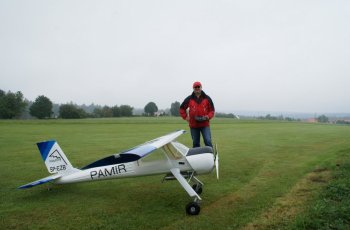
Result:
pixel 41 181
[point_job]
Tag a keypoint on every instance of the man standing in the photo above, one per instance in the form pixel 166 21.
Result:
pixel 198 109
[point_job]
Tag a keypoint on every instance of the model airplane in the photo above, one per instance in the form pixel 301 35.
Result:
pixel 178 162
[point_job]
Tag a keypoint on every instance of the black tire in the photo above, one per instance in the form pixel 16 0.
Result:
pixel 193 208
pixel 197 188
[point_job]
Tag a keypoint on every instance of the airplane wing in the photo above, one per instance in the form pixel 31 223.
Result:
pixel 41 181
pixel 184 183
pixel 148 147
pixel 175 150
pixel 137 152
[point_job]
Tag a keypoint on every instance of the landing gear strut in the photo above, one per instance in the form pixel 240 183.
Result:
pixel 193 207
pixel 197 188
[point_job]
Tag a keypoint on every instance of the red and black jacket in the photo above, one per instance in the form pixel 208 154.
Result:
pixel 198 107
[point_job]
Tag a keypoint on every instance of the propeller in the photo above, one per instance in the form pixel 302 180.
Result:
pixel 217 161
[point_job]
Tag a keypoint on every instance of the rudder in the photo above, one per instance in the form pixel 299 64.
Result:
pixel 54 158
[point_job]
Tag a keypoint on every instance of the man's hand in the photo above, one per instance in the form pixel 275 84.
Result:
pixel 201 118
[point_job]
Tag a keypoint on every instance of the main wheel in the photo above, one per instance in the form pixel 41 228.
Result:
pixel 197 188
pixel 193 208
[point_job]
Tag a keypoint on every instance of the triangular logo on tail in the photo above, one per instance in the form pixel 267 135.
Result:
pixel 55 157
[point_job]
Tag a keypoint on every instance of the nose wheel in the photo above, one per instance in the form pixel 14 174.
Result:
pixel 193 208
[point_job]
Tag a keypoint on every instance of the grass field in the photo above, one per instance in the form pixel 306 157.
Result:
pixel 269 172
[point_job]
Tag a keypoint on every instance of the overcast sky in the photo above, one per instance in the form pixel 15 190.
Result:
pixel 272 55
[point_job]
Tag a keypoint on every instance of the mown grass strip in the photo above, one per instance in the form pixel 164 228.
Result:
pixel 287 207
pixel 331 209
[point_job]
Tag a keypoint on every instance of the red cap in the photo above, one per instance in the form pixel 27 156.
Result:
pixel 197 83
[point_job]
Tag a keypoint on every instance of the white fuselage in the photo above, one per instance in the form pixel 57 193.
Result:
pixel 200 164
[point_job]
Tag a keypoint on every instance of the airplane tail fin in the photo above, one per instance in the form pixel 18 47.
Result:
pixel 54 158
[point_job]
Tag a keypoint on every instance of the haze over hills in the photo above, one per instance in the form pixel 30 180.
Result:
pixel 296 115
pixel 250 114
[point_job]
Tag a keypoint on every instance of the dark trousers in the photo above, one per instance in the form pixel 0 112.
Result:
pixel 196 135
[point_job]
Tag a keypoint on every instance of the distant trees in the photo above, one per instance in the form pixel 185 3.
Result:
pixel 279 118
pixel 342 122
pixel 270 117
pixel 70 111
pixel 41 108
pixel 14 105
pixel 225 115
pixel 151 108
pixel 174 109
pixel 104 111
pixel 11 104
pixel 115 111
pixel 323 119
pixel 125 110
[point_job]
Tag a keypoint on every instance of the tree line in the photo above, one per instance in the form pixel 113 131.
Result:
pixel 14 105
pixel 11 104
